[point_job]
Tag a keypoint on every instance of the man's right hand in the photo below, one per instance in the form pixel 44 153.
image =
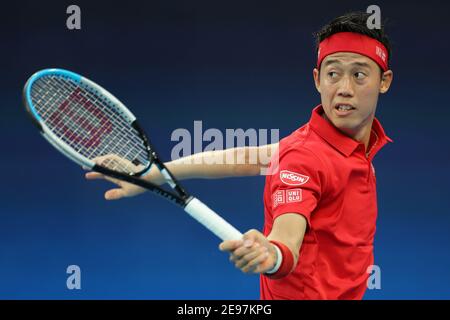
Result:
pixel 125 189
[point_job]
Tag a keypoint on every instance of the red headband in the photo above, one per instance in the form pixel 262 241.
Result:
pixel 353 42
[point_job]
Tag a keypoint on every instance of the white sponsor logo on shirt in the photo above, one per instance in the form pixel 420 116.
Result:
pixel 292 178
pixel 277 198
pixel 293 195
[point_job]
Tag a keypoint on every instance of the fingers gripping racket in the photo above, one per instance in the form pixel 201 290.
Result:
pixel 93 128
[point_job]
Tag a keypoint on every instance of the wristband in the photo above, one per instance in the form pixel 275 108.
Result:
pixel 286 261
pixel 277 263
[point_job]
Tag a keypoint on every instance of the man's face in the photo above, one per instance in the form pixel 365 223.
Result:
pixel 349 85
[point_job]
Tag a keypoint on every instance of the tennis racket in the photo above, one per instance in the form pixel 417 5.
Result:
pixel 93 128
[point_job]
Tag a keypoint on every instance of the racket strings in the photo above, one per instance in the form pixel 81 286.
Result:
pixel 90 97
pixel 90 124
pixel 121 147
pixel 114 147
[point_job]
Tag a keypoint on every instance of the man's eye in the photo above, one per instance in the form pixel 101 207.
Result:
pixel 332 74
pixel 360 75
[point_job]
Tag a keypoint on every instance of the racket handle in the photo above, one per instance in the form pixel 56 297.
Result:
pixel 211 220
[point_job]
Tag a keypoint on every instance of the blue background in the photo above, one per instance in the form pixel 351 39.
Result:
pixel 231 64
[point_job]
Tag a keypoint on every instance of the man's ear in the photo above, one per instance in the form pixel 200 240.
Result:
pixel 386 80
pixel 316 77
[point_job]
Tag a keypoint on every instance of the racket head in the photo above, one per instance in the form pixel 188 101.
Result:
pixel 86 123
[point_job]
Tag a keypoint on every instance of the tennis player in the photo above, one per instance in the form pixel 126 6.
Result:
pixel 320 205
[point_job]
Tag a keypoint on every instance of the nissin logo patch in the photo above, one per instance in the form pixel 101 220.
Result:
pixel 292 178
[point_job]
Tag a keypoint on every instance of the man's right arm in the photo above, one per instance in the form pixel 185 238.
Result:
pixel 234 162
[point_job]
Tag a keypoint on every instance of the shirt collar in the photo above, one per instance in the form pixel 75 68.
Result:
pixel 343 143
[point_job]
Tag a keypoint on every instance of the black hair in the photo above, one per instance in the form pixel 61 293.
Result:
pixel 353 22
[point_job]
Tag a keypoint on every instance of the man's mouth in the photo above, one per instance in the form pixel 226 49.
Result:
pixel 343 109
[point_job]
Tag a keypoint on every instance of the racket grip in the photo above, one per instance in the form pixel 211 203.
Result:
pixel 211 220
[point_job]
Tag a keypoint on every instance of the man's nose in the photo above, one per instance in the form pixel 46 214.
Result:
pixel 345 87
